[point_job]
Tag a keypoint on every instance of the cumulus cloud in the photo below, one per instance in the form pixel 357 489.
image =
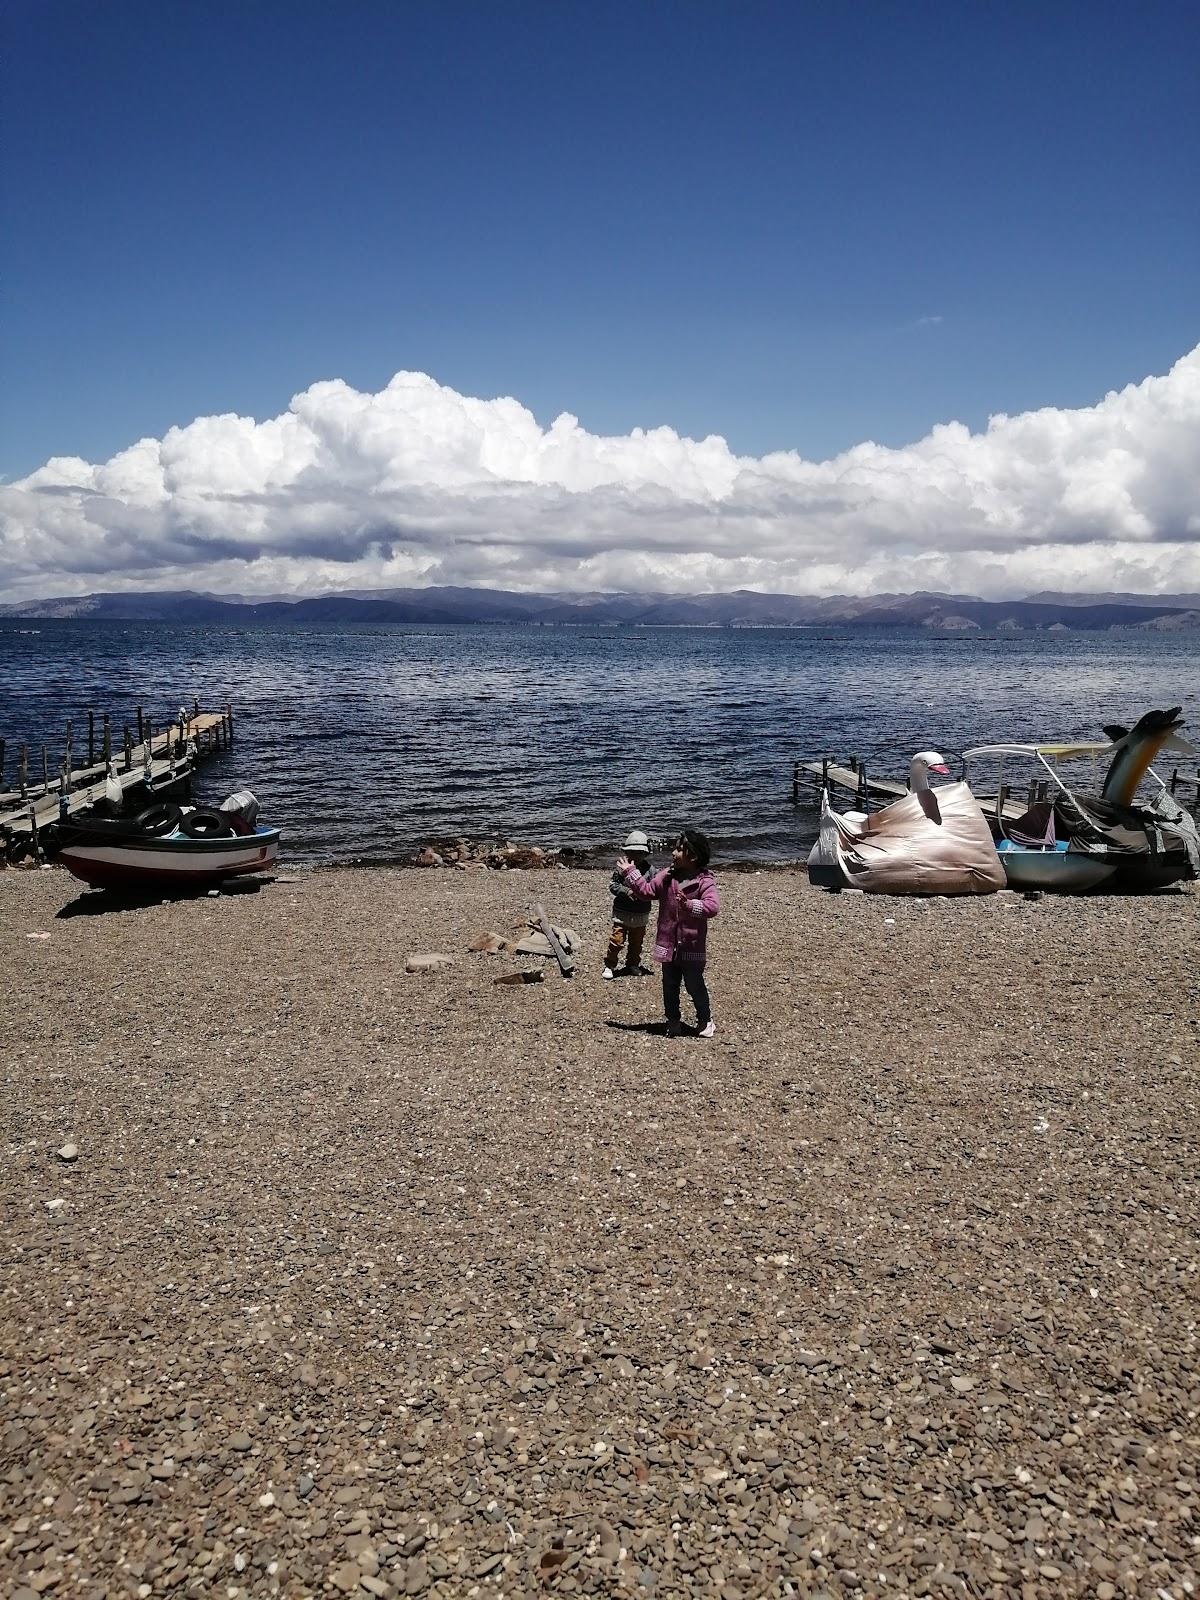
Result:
pixel 420 485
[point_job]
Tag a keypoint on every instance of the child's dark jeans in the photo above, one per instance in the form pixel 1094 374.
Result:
pixel 691 975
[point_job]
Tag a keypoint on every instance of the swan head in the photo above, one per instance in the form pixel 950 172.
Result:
pixel 922 765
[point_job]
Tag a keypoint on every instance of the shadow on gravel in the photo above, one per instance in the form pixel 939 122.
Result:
pixel 659 1028
pixel 110 902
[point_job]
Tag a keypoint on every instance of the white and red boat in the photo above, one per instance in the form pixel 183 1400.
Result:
pixel 167 846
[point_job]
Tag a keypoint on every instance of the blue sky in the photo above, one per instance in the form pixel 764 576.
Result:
pixel 795 226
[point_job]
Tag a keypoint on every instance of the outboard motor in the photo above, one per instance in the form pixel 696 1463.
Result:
pixel 242 811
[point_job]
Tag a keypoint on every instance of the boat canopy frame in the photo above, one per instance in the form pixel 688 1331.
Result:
pixel 1047 755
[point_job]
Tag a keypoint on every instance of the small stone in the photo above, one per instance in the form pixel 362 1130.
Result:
pixel 962 1385
pixel 304 1486
pixel 55 1205
pixel 239 1442
pixel 67 1153
pixel 431 962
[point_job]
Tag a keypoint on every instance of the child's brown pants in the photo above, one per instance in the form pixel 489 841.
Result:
pixel 620 933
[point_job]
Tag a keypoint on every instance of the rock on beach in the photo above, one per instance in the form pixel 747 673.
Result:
pixel 372 1286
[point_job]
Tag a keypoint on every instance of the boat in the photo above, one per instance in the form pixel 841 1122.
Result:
pixel 166 846
pixel 1073 842
pixel 930 841
pixel 1055 867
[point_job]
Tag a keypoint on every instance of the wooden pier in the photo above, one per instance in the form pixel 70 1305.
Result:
pixel 152 763
pixel 853 789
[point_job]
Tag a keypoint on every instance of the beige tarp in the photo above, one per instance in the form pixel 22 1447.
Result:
pixel 934 842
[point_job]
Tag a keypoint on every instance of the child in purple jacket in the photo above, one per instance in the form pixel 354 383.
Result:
pixel 687 898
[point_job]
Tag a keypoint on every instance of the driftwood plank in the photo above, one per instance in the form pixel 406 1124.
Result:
pixel 566 963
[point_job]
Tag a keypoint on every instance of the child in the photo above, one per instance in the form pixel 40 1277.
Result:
pixel 630 912
pixel 687 896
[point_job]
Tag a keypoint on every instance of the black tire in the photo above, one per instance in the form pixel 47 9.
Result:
pixel 160 818
pixel 204 824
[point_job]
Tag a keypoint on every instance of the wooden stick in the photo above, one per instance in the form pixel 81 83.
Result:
pixel 92 738
pixel 141 735
pixel 128 749
pixel 566 963
pixel 23 769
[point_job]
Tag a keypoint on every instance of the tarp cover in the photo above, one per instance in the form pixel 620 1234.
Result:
pixel 935 842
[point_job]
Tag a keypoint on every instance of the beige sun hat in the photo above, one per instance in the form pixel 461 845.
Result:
pixel 637 840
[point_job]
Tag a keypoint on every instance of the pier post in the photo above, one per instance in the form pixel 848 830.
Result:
pixel 92 738
pixel 228 725
pixel 862 789
pixel 128 749
pixel 33 831
pixel 23 769
pixel 141 735
pixel 825 772
pixel 1 763
pixel 195 710
pixel 46 771
pixel 107 736
pixel 796 783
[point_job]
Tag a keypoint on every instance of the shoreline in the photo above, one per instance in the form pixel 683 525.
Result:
pixel 362 1282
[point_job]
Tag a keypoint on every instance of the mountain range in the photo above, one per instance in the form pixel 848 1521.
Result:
pixel 742 608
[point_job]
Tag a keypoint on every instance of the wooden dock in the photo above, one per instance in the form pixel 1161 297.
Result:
pixel 854 789
pixel 153 763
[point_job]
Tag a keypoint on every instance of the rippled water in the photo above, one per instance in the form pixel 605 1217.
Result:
pixel 364 743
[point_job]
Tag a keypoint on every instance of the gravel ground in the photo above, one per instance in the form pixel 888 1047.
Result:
pixel 371 1283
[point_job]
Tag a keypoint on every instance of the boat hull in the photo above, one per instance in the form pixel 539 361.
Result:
pixel 1061 871
pixel 171 862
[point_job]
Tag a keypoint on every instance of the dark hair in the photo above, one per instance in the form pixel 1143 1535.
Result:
pixel 697 846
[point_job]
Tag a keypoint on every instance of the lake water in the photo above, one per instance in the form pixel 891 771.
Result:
pixel 365 743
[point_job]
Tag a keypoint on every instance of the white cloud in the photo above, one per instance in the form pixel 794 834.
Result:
pixel 418 484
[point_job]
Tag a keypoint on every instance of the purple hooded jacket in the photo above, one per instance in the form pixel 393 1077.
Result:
pixel 681 932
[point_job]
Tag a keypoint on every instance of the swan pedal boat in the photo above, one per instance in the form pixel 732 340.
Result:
pixel 120 853
pixel 929 842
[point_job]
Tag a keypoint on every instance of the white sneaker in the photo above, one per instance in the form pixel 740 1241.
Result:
pixel 609 973
pixel 707 1031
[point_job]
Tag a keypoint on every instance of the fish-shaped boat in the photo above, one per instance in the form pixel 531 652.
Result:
pixel 167 846
pixel 1072 842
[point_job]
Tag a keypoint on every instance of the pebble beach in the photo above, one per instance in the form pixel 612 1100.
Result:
pixel 321 1277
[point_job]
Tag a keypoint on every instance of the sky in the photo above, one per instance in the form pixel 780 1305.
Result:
pixel 819 298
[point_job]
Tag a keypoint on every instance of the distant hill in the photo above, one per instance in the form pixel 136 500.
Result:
pixel 743 608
